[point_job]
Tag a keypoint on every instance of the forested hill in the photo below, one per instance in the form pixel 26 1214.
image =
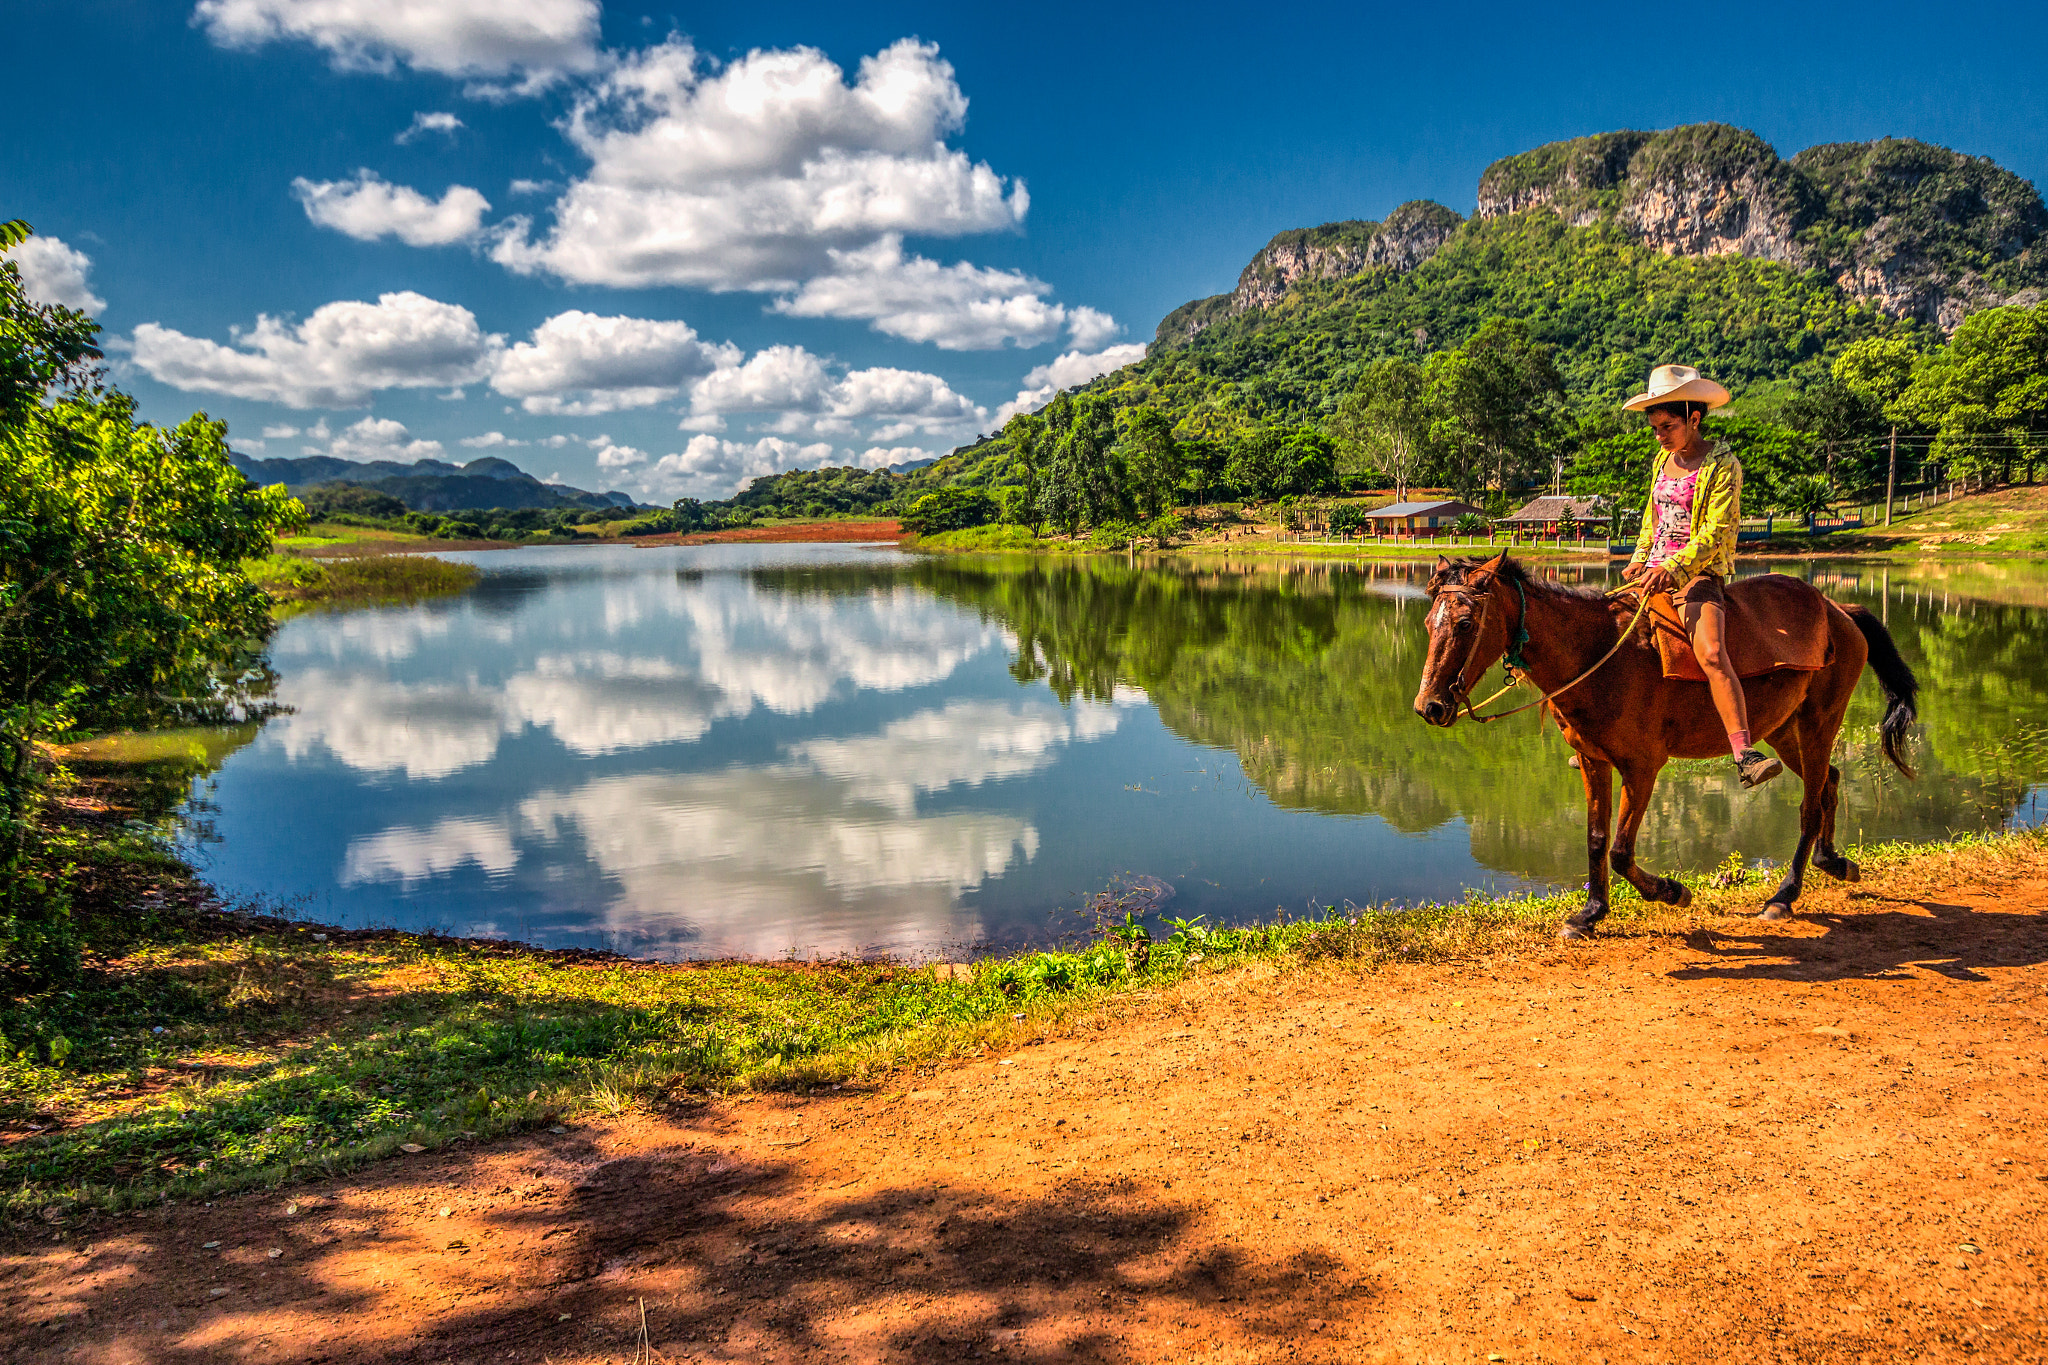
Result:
pixel 1620 251
pixel 428 485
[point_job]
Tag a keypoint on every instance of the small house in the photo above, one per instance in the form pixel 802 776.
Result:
pixel 1545 516
pixel 1419 518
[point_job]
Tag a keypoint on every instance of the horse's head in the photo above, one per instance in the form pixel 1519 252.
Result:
pixel 1466 634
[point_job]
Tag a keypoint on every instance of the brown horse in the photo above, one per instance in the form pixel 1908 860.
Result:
pixel 1628 717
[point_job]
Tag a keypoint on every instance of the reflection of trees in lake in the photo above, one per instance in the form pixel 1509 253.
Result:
pixel 1306 673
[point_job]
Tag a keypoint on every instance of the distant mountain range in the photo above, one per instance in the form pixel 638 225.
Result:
pixel 430 485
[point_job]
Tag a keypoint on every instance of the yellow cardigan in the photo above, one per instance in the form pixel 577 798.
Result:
pixel 1716 514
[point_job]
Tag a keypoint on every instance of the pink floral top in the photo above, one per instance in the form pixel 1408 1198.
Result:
pixel 1672 497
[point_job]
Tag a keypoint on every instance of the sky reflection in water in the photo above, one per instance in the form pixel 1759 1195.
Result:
pixel 742 750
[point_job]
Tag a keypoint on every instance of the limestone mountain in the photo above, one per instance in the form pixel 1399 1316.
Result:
pixel 1409 236
pixel 1915 230
pixel 1620 251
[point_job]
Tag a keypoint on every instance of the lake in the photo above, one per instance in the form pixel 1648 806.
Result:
pixel 819 750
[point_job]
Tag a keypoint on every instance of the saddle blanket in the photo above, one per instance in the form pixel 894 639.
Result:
pixel 1774 621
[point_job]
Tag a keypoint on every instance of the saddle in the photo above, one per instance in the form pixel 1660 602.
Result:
pixel 1774 621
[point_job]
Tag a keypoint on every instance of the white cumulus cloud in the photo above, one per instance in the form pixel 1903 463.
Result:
pixel 336 358
pixel 744 177
pixel 54 274
pixel 711 466
pixel 612 457
pixel 367 208
pixel 958 307
pixel 877 457
pixel 534 41
pixel 381 438
pixel 424 122
pixel 1065 372
pixel 490 440
pixel 804 394
pixel 580 364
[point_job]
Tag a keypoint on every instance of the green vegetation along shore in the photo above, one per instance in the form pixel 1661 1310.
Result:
pixel 208 1048
pixel 368 580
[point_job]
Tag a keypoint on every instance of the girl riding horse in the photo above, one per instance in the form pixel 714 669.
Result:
pixel 1687 544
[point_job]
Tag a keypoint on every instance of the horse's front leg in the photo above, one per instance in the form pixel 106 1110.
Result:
pixel 1637 781
pixel 1599 778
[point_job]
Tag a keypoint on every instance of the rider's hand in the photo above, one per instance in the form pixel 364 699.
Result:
pixel 1635 570
pixel 1658 580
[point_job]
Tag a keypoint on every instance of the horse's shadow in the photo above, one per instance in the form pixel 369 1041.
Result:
pixel 1954 941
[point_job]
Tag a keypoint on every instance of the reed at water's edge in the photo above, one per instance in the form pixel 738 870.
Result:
pixel 208 1049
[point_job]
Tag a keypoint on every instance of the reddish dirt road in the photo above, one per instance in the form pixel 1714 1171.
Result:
pixel 849 532
pixel 1815 1141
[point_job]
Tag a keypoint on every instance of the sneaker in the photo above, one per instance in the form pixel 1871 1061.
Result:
pixel 1755 767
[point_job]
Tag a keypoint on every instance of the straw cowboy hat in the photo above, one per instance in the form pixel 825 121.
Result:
pixel 1678 384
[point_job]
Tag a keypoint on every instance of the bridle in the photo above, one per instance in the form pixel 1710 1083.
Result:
pixel 1475 601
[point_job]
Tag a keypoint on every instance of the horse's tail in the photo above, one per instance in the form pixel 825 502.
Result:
pixel 1901 688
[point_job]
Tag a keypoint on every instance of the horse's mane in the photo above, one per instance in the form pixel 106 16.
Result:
pixel 1515 572
pixel 1456 571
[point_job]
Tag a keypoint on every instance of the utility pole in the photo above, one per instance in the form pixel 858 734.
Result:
pixel 1891 477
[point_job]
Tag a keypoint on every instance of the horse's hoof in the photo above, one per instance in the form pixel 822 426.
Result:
pixel 1681 895
pixel 1776 910
pixel 1851 872
pixel 1574 932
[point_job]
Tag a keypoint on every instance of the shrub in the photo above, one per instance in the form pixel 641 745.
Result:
pixel 1162 529
pixel 950 509
pixel 1348 519
pixel 1115 534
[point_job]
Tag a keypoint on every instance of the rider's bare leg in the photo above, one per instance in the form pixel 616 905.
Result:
pixel 1707 624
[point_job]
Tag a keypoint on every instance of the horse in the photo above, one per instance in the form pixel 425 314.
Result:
pixel 1627 717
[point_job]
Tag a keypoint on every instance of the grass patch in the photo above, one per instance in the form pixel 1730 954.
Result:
pixel 324 533
pixel 359 582
pixel 993 540
pixel 203 1052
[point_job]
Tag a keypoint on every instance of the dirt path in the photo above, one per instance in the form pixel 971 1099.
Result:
pixel 830 532
pixel 1811 1141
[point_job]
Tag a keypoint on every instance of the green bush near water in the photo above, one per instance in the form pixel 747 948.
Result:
pixel 359 582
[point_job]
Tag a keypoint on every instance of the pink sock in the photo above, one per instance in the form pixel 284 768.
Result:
pixel 1738 740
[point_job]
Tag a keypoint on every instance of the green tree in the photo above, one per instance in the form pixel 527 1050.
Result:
pixel 1026 438
pixel 950 509
pixel 1878 370
pixel 1084 480
pixel 122 594
pixel 1153 458
pixel 1776 460
pixel 1985 394
pixel 1499 408
pixel 688 514
pixel 1383 425
pixel 1846 430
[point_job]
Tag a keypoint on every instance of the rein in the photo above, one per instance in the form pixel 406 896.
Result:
pixel 1518 667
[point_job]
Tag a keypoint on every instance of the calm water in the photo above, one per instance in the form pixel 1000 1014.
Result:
pixel 739 750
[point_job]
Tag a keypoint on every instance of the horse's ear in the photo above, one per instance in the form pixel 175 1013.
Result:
pixel 1496 564
pixel 1442 564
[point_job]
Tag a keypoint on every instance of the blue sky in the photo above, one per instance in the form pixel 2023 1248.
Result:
pixel 665 250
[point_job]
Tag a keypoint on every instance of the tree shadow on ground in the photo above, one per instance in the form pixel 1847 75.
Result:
pixel 732 1258
pixel 1955 941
